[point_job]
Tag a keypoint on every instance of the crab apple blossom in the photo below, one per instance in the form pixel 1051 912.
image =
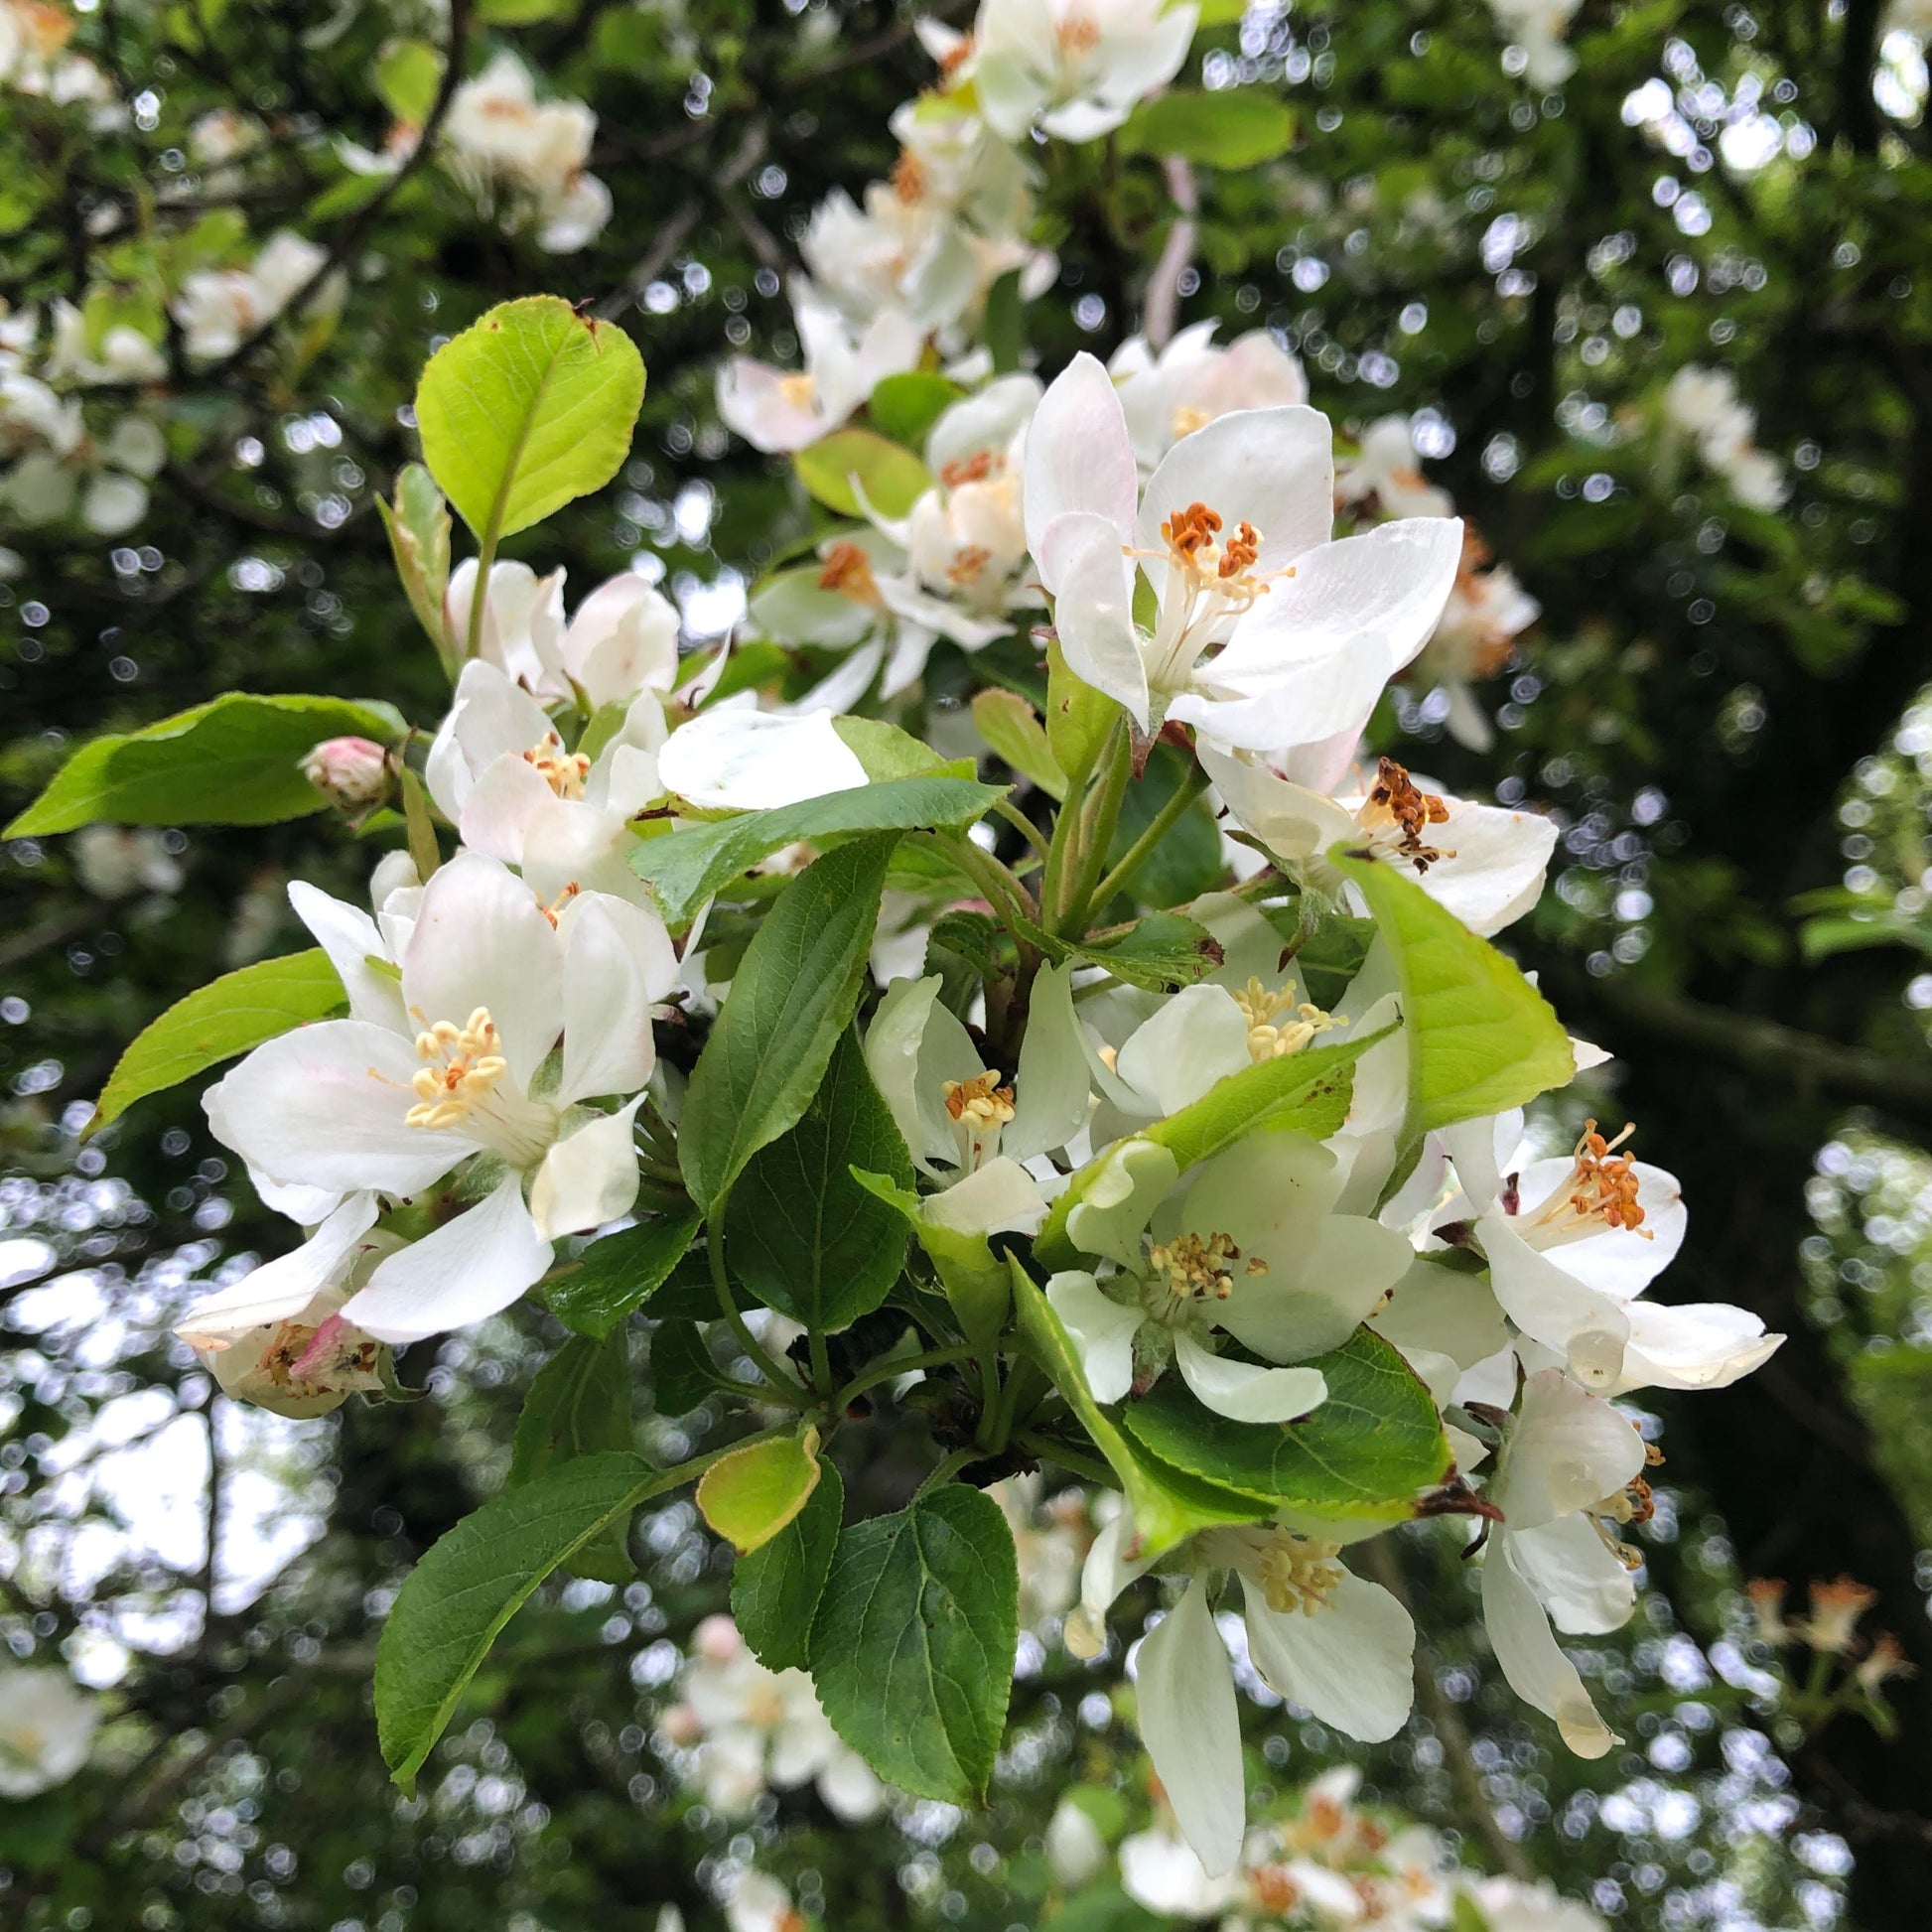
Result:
pixel 1183 387
pixel 47 1728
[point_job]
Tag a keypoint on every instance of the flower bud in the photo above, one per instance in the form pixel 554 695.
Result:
pixel 352 772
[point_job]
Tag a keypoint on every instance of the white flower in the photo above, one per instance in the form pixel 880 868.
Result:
pixel 736 757
pixel 754 1901
pixel 1075 1847
pixel 104 480
pixel 1251 1246
pixel 47 1725
pixel 1266 633
pixel 1387 470
pixel 1519 1905
pixel 774 411
pixel 442 1065
pixel 1075 67
pixel 1537 27
pixel 526 157
pixel 1572 1245
pixel 1194 380
pixel 1473 641
pixel 1051 1542
pixel 219 308
pixel 1318 1634
pixel 122 355
pixel 1566 1463
pixel 117 861
pixel 1483 863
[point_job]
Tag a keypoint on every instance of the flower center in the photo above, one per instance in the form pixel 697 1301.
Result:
pixel 1188 419
pixel 966 563
pixel 978 1108
pixel 22 1743
pixel 765 1708
pixel 1211 578
pixel 847 571
pixel 563 771
pixel 1271 1034
pixel 970 469
pixel 1195 1267
pixel 1275 1890
pixel 1078 33
pixel 908 177
pixel 1397 804
pixel 1599 1192
pixel 555 910
pixel 800 390
pixel 1298 1573
pixel 1195 545
pixel 465 1062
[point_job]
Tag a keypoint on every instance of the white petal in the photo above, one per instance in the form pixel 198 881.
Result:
pixel 623 641
pixel 1244 1392
pixel 1051 1091
pixel 1567 1451
pixel 507 792
pixel 1492 869
pixel 618 964
pixel 1129 1182
pixel 1160 1872
pixel 747 760
pixel 468 1269
pixel 1531 1659
pixel 1102 1332
pixel 1195 1039
pixel 279 1290
pixel 1000 1198
pixel 1185 1690
pixel 1586 1330
pixel 349 937
pixel 1691 1345
pixel 588 1178
pixel 1093 610
pixel 1583 1587
pixel 1271 468
pixel 1351 1662
pixel 1621 1262
pixel 1078 457
pixel 913 1047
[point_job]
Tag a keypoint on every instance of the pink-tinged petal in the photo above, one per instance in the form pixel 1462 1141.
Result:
pixel 1191 1726
pixel 570 844
pixel 1351 1662
pixel 619 962
pixel 466 1270
pixel 507 793
pixel 1272 468
pixel 480 940
pixel 754 402
pixel 1531 1659
pixel 588 1178
pixel 490 717
pixel 1245 1391
pixel 1078 457
pixel 326 1106
pixel 279 1289
pixel 349 937
pixel 1093 610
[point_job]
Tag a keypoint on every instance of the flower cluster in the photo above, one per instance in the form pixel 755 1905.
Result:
pixel 1703 405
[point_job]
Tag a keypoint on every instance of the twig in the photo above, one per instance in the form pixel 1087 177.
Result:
pixel 1163 308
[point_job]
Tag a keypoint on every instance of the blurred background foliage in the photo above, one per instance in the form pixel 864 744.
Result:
pixel 1720 703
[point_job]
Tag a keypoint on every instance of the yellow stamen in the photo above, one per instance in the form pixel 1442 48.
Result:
pixel 1271 1038
pixel 847 571
pixel 1195 1267
pixel 563 771
pixel 1300 1573
pixel 465 1062
pixel 1396 800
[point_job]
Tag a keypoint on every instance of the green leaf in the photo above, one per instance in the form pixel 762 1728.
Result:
pixel 418 524
pixel 595 1291
pixel 475 1579
pixel 517 13
pixel 791 998
pixel 885 751
pixel 973 1276
pixel 904 407
pixel 527 411
pixel 1187 861
pixel 1011 727
pixel 579 1403
pixel 1168 1506
pixel 1236 128
pixel 912 1646
pixel 1366 1453
pixel 892 478
pixel 217 1022
pixel 1307 1092
pixel 1330 957
pixel 1481 1038
pixel 684 869
pixel 1079 717
pixel 1004 327
pixel 776 1589
pixel 408 74
pixel 235 761
pixel 1161 951
pixel 801 1234
pixel 749 1494
pixel 682 1371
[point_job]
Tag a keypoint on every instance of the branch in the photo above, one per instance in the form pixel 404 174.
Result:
pixel 1162 309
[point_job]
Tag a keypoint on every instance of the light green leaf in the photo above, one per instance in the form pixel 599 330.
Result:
pixel 235 761
pixel 748 1495
pixel 791 998
pixel 885 751
pixel 776 1589
pixel 214 1023
pixel 1481 1038
pixel 1367 1452
pixel 904 407
pixel 1011 727
pixel 579 1403
pixel 684 869
pixel 477 1578
pixel 1159 953
pixel 1240 127
pixel 612 1278
pixel 912 1646
pixel 973 1276
pixel 1079 717
pixel 892 478
pixel 408 74
pixel 418 524
pixel 800 1233
pixel 517 13
pixel 527 411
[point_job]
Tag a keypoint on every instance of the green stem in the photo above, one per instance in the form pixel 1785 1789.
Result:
pixel 821 1362
pixel 1066 823
pixel 782 1386
pixel 1097 833
pixel 950 1469
pixel 1077 1461
pixel 486 562
pixel 889 1371
pixel 1165 820
pixel 1021 824
pixel 424 852
pixel 997 887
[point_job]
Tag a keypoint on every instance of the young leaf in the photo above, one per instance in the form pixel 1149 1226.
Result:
pixel 791 998
pixel 527 411
pixel 749 1494
pixel 886 752
pixel 912 1646
pixel 892 476
pixel 407 76
pixel 580 1404
pixel 1011 727
pixel 1158 952
pixel 1481 1038
pixel 418 524
pixel 1231 130
pixel 684 869
pixel 776 1590
pixel 214 1023
pixel 595 1289
pixel 1367 1451
pixel 235 761
pixel 475 1579
pixel 904 407
pixel 802 1235
pixel 1078 718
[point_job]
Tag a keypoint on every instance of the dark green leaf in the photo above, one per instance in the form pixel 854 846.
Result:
pixel 579 1403
pixel 776 1589
pixel 1006 324
pixel 595 1289
pixel 682 1371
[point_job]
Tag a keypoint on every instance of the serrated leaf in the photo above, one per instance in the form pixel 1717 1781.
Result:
pixel 1482 1039
pixel 612 1278
pixel 792 996
pixel 1011 727
pixel 905 406
pixel 527 411
pixel 475 1578
pixel 217 1022
pixel 801 1234
pixel 1157 953
pixel 579 1403
pixel 892 476
pixel 973 1276
pixel 1330 957
pixel 912 1646
pixel 1366 1453
pixel 685 868
pixel 235 761
pixel 776 1590
pixel 1239 127
pixel 749 1494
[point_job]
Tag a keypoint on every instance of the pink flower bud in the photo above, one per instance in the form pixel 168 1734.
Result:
pixel 354 772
